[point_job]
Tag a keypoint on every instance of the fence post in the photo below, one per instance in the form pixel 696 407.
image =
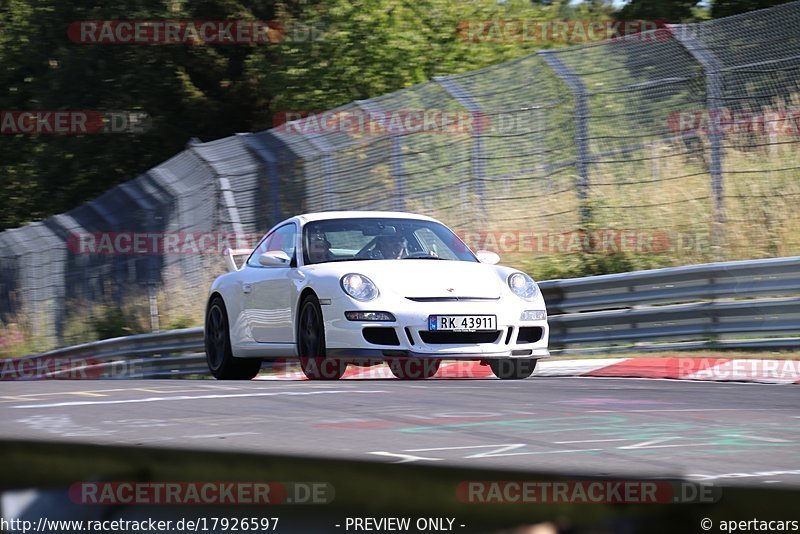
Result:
pixel 579 92
pixel 226 193
pixel 328 166
pixel 271 166
pixel 111 222
pixel 478 158
pixel 374 111
pixel 710 64
pixel 151 261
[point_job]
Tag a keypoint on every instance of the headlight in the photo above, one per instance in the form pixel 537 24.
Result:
pixel 359 287
pixel 522 286
pixel 369 316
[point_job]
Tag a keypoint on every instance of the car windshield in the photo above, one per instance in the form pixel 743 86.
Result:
pixel 381 239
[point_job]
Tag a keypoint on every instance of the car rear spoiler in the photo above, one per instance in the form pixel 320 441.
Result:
pixel 230 253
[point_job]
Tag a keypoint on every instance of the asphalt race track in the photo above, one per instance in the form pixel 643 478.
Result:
pixel 717 432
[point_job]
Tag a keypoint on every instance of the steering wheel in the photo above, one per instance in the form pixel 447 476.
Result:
pixel 365 250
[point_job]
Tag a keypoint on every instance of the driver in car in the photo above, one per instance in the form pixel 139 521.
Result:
pixel 319 249
pixel 391 247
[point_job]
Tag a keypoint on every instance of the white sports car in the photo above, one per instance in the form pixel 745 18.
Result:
pixel 361 287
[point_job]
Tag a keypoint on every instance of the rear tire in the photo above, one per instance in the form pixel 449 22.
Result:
pixel 221 362
pixel 413 368
pixel 311 344
pixel 511 369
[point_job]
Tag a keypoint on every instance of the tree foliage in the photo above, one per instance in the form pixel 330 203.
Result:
pixel 365 48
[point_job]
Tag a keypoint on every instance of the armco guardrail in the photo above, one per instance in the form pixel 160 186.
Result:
pixel 735 279
pixel 744 304
pixel 741 304
pixel 157 355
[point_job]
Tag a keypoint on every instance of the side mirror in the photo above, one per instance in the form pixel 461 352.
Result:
pixel 274 258
pixel 487 256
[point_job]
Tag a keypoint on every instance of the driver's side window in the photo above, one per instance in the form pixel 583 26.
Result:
pixel 283 238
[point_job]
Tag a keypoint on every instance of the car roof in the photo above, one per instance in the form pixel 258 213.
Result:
pixel 328 215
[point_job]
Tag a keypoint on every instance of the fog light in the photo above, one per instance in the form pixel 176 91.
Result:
pixel 533 315
pixel 369 316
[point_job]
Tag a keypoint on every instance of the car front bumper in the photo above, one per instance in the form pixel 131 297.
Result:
pixel 346 339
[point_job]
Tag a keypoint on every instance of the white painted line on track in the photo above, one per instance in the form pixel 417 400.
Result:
pixel 758 438
pixel 757 474
pixel 656 444
pixel 105 392
pixel 590 441
pixel 193 397
pixel 495 451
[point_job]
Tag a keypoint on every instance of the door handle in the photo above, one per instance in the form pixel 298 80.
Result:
pixel 247 288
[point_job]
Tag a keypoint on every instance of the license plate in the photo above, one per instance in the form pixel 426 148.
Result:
pixel 462 323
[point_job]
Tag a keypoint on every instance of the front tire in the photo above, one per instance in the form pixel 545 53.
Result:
pixel 221 362
pixel 413 368
pixel 311 344
pixel 510 369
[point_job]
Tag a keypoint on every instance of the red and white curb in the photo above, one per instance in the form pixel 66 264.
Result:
pixel 700 369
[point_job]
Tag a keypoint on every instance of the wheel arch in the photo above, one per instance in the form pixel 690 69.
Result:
pixel 214 294
pixel 218 294
pixel 304 294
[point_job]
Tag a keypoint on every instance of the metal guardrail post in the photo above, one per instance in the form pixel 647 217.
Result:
pixel 711 67
pixel 271 166
pixel 111 220
pixel 374 111
pixel 579 92
pixel 328 166
pixel 478 157
pixel 153 275
pixel 226 194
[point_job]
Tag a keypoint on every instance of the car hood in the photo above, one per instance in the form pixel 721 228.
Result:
pixel 428 278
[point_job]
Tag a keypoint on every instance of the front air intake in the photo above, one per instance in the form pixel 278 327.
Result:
pixel 458 338
pixel 529 334
pixel 381 335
